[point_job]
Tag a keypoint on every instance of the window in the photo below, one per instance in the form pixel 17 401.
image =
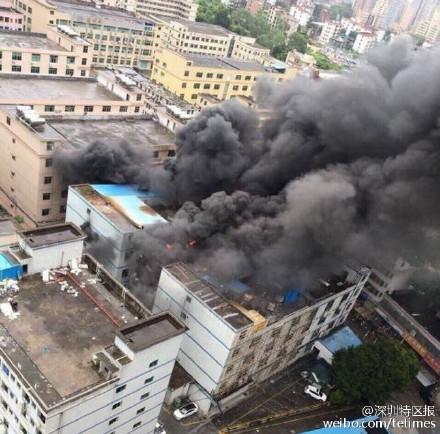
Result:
pixel 88 108
pixel 16 68
pixel 69 108
pixel 8 120
pixel 234 87
pixel 220 76
pixel 64 193
pixel 69 71
pixel 123 109
pixel 85 49
pixel 183 315
pixel 70 59
pixel 48 180
pixel 188 299
pixel 62 209
pixel 121 388
pixel 16 56
pixel 141 410
pixel 196 86
pixel 199 74
pixel 49 162
pixel 138 97
pixel 112 421
pixel 137 424
pixel 209 75
pixel 171 153
pixel 145 395
pixel 206 86
pixel 245 88
pixel 247 78
pixel 45 211
pixel 35 69
pixel 186 73
pixel 216 86
pixel 183 85
pixel 124 273
pixel 153 363
pixel 53 59
pixel 49 146
pixel 46 196
pixel 194 96
pixel 36 57
pixel 136 109
pixel 116 405
pixel 238 77
pixel 106 108
pixel 53 71
pixel 49 108
pixel 84 61
pixel 148 380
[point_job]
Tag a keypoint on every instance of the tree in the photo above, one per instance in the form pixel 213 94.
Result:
pixel 324 62
pixel 370 373
pixel 340 11
pixel 298 41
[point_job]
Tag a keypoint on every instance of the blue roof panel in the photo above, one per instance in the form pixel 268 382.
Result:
pixel 343 338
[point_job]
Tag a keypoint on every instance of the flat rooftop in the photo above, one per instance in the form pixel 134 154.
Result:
pixel 139 132
pixel 26 90
pixel 209 295
pixel 124 205
pixel 224 63
pixel 199 27
pixel 151 331
pixel 28 40
pixel 41 237
pixel 86 12
pixel 52 341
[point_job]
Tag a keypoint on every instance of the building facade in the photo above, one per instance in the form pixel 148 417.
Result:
pixel 10 18
pixel 61 52
pixel 238 337
pixel 188 76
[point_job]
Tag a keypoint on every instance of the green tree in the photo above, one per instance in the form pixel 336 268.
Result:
pixel 213 12
pixel 340 11
pixel 324 62
pixel 298 41
pixel 370 373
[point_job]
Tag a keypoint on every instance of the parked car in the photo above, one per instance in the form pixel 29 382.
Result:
pixel 315 392
pixel 159 429
pixel 186 410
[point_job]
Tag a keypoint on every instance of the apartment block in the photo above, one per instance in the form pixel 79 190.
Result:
pixel 189 75
pixel 66 112
pixel 112 372
pixel 117 37
pixel 239 336
pixel 10 18
pixel 61 52
pixel 184 36
pixel 112 214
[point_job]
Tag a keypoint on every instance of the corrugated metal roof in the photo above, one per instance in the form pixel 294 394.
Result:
pixel 343 338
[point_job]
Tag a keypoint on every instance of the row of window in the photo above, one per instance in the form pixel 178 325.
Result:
pixel 12 20
pixel 90 108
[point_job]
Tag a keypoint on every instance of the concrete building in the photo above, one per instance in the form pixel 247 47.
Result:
pixel 364 41
pixel 184 36
pixel 118 37
pixel 10 18
pixel 239 336
pixel 76 112
pixel 60 52
pixel 329 31
pixel 112 214
pixel 189 75
pixel 301 14
pixel 80 353
pixel 429 29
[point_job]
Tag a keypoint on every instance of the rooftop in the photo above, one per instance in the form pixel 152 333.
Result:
pixel 209 295
pixel 42 237
pixel 223 63
pixel 28 89
pixel 7 227
pixel 87 12
pixel 198 27
pixel 139 132
pixel 150 331
pixel 124 205
pixel 341 339
pixel 52 341
pixel 27 40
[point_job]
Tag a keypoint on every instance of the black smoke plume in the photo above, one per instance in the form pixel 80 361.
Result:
pixel 348 167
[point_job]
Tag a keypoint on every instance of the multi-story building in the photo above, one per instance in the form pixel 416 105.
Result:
pixel 255 6
pixel 275 15
pixel 429 29
pixel 10 18
pixel 301 15
pixel 80 353
pixel 117 37
pixel 364 41
pixel 77 112
pixel 112 214
pixel 189 75
pixel 184 36
pixel 61 52
pixel 238 336
pixel 329 31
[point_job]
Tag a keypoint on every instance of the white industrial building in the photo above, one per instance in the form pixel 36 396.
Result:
pixel 238 336
pixel 111 214
pixel 80 354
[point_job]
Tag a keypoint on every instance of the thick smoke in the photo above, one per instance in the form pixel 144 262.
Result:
pixel 339 168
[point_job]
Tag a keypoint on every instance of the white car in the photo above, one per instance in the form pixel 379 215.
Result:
pixel 314 391
pixel 159 429
pixel 186 410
